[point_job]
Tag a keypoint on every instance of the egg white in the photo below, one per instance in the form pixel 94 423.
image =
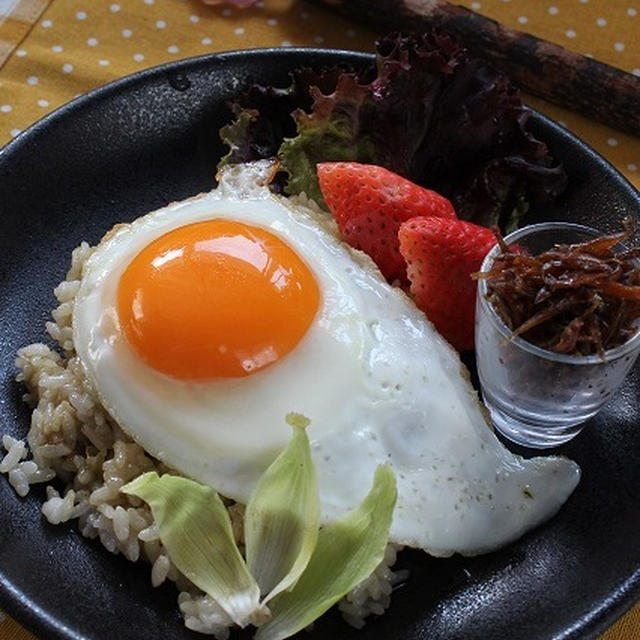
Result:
pixel 377 381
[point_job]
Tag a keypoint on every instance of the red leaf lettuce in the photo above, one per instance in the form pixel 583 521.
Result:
pixel 427 111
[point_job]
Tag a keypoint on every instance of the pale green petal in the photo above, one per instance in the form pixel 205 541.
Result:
pixel 283 515
pixel 347 551
pixel 195 528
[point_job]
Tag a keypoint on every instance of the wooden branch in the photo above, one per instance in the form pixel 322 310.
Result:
pixel 576 82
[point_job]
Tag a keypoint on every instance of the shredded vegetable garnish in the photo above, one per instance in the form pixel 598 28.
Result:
pixel 578 299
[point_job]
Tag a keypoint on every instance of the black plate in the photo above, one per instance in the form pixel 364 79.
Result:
pixel 141 142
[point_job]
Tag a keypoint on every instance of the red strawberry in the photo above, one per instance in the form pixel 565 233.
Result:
pixel 369 203
pixel 441 255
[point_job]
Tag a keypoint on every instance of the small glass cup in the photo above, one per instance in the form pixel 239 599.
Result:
pixel 538 398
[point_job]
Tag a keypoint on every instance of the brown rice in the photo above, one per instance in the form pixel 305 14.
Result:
pixel 74 439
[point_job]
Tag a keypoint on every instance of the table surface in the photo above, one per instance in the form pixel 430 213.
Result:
pixel 54 50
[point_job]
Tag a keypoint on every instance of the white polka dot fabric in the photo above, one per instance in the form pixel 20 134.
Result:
pixel 77 45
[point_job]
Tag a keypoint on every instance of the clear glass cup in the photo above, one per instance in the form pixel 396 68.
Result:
pixel 538 398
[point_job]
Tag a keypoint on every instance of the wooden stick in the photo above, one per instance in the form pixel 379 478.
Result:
pixel 577 82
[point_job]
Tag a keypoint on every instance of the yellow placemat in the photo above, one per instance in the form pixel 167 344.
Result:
pixel 80 44
pixel 11 630
pixel 76 45
pixel 16 19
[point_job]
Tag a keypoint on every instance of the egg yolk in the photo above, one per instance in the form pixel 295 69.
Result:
pixel 216 299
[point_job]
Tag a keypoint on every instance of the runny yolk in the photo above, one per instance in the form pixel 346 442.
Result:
pixel 216 299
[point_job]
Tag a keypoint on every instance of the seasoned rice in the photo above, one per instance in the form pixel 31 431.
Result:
pixel 73 438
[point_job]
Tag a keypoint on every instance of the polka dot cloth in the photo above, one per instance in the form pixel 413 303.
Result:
pixel 50 54
pixel 77 45
pixel 80 44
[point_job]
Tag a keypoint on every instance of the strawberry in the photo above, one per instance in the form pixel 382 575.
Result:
pixel 441 255
pixel 369 203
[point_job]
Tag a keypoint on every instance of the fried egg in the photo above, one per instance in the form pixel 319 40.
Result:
pixel 202 324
